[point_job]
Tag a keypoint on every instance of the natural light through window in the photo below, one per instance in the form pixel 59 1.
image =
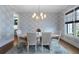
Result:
pixel 72 22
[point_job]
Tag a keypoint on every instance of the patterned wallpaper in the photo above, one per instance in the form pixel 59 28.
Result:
pixel 27 24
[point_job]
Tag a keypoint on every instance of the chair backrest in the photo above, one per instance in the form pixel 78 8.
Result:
pixel 31 38
pixel 59 37
pixel 55 36
pixel 19 33
pixel 46 38
pixel 55 43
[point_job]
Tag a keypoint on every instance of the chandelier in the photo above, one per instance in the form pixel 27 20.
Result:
pixel 39 15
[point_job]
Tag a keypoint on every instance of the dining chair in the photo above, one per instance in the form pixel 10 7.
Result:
pixel 21 44
pixel 55 43
pixel 46 39
pixel 31 38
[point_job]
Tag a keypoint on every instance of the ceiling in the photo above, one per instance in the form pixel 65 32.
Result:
pixel 44 8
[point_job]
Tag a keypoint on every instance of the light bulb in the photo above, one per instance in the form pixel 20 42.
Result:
pixel 33 15
pixel 45 16
pixel 42 17
pixel 37 17
pixel 41 14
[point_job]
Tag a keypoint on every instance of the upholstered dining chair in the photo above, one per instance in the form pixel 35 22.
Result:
pixel 55 39
pixel 46 39
pixel 21 45
pixel 31 38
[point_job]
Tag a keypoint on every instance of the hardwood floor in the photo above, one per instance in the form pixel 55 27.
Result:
pixel 6 47
pixel 69 47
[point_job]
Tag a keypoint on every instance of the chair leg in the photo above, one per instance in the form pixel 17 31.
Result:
pixel 28 48
pixel 35 48
pixel 42 49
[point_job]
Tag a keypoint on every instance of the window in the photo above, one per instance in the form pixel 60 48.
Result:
pixel 77 29
pixel 77 14
pixel 70 31
pixel 77 22
pixel 72 22
pixel 69 21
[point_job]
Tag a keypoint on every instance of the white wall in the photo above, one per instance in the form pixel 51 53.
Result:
pixel 27 24
pixel 6 23
pixel 61 22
